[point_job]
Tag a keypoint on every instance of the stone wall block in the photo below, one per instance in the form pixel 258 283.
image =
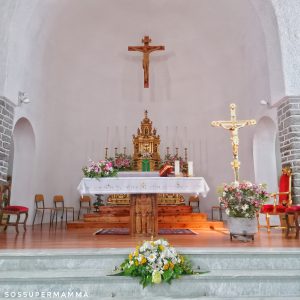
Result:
pixel 6 122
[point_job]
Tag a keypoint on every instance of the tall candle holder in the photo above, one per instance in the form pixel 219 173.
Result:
pixel 106 152
pixel 116 151
pixel 185 155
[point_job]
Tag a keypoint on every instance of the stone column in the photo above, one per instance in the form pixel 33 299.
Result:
pixel 6 126
pixel 289 136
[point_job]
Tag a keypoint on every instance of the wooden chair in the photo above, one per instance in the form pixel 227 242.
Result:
pixel 39 202
pixel 220 208
pixel 195 199
pixel 281 200
pixel 292 212
pixel 84 203
pixel 59 205
pixel 17 211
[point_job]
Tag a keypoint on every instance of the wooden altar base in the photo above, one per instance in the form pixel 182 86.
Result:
pixel 168 217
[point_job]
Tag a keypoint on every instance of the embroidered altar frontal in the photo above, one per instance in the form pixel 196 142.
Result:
pixel 140 185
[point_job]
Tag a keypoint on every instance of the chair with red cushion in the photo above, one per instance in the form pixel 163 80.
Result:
pixel 14 210
pixel 294 212
pixel 281 200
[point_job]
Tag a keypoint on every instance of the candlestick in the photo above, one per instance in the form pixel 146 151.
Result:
pixel 176 152
pixel 124 150
pixel 177 168
pixel 168 150
pixel 116 151
pixel 106 149
pixel 185 154
pixel 190 169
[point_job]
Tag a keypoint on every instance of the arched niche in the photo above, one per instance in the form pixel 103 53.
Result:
pixel 265 152
pixel 23 164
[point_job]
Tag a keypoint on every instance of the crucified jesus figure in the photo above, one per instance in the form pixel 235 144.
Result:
pixel 146 50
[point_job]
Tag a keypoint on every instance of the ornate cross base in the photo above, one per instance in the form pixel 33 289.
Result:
pixel 143 215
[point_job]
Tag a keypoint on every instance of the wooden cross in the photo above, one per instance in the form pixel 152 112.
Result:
pixel 146 50
pixel 234 125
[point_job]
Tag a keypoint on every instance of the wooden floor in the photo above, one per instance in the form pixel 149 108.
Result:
pixel 38 237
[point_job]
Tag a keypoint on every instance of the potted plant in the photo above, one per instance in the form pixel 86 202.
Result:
pixel 242 202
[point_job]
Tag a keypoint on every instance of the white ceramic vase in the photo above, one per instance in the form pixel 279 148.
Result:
pixel 242 226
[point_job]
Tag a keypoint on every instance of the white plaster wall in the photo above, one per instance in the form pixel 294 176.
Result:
pixel 265 160
pixel 87 90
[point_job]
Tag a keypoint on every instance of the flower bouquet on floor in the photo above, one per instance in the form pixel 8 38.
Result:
pixel 155 262
pixel 102 168
pixel 242 200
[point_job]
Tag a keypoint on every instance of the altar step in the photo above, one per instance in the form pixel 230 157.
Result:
pixel 234 274
pixel 168 217
pixel 178 225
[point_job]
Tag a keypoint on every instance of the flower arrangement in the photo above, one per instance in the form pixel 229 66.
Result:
pixel 122 162
pixel 242 200
pixel 103 168
pixel 154 262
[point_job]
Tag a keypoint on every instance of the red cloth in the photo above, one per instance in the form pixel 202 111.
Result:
pixel 165 170
pixel 293 208
pixel 15 208
pixel 284 186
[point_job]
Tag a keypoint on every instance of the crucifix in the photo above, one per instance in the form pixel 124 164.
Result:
pixel 146 50
pixel 233 126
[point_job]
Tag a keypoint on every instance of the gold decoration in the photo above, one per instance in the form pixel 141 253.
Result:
pixel 162 199
pixel 146 145
pixel 234 125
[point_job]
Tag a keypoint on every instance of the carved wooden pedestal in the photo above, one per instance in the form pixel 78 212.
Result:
pixel 143 214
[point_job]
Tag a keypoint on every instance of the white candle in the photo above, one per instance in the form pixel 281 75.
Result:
pixel 190 169
pixel 177 168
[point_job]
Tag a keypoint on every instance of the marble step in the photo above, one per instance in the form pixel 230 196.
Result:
pixel 197 298
pixel 216 283
pixel 106 259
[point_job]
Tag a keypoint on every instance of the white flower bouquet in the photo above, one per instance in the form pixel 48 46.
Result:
pixel 155 262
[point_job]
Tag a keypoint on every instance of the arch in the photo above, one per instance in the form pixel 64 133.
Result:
pixel 23 164
pixel 265 152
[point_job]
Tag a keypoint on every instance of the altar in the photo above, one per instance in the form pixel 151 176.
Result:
pixel 143 193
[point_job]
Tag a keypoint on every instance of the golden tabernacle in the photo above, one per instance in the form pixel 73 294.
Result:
pixel 145 158
pixel 146 147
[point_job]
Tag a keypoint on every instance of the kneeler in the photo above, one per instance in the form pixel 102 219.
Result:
pixel 281 200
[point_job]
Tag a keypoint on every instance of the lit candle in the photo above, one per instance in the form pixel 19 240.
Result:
pixel 190 169
pixel 177 168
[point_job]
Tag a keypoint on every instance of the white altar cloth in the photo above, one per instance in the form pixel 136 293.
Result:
pixel 143 185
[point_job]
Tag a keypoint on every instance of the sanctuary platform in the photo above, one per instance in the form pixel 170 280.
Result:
pixel 57 260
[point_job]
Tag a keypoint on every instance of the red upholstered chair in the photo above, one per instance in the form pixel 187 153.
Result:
pixel 281 200
pixel 14 210
pixel 294 212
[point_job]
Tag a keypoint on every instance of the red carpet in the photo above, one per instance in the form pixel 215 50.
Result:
pixel 125 231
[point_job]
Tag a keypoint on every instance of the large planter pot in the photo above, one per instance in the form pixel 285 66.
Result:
pixel 242 226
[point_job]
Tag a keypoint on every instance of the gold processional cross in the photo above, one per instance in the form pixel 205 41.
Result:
pixel 234 125
pixel 146 50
